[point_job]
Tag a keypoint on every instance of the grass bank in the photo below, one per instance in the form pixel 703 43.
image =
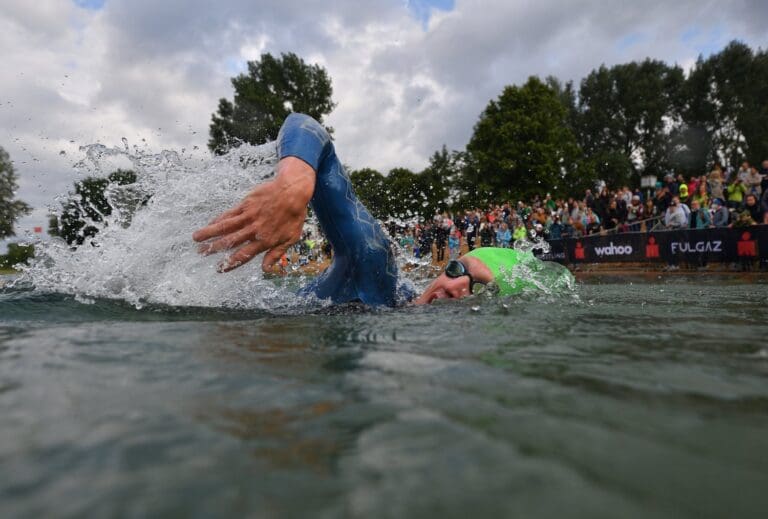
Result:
pixel 7 272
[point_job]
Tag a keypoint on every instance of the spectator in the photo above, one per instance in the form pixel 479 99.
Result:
pixel 764 204
pixel 486 233
pixel 693 185
pixel 454 242
pixel 720 214
pixel 591 222
pixel 675 217
pixel 701 195
pixel 743 173
pixel 752 206
pixel 764 174
pixel 715 183
pixel 579 211
pixel 613 216
pixel 669 183
pixel 471 232
pixel 556 229
pixel 406 241
pixel 754 179
pixel 549 203
pixel 662 200
pixel 425 241
pixel 736 192
pixel 635 213
pixel 602 203
pixel 520 231
pixel 700 217
pixel 685 208
pixel 441 237
pixel 589 200
pixel 650 208
pixel 503 236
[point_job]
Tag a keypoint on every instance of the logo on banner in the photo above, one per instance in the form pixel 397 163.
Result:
pixel 614 250
pixel 699 246
pixel 652 248
pixel 578 253
pixel 746 246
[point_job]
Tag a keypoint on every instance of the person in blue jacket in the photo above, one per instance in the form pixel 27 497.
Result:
pixel 271 217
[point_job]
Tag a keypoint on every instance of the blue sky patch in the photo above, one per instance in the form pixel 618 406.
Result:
pixel 705 41
pixel 420 9
pixel 630 40
pixel 235 66
pixel 92 5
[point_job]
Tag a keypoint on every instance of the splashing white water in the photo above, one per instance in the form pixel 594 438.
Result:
pixel 149 256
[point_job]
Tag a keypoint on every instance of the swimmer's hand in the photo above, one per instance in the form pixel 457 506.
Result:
pixel 270 218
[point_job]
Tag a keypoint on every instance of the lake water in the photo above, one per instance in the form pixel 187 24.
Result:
pixel 635 398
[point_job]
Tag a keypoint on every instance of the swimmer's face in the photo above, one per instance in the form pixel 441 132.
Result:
pixel 445 287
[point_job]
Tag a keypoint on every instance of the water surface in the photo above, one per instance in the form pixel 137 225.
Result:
pixel 633 399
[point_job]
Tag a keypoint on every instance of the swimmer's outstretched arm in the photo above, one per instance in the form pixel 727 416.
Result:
pixel 270 218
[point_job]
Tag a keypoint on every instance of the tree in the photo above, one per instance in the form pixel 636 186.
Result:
pixel 371 188
pixel 522 144
pixel 90 204
pixel 628 112
pixel 437 179
pixel 17 254
pixel 405 193
pixel 272 89
pixel 725 110
pixel 10 208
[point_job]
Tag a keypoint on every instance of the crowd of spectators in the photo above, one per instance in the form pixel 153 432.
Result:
pixel 726 197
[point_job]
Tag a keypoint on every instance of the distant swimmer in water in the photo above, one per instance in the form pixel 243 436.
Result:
pixel 271 217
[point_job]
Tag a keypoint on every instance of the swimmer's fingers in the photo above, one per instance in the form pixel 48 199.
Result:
pixel 235 211
pixel 242 256
pixel 221 228
pixel 230 240
pixel 273 256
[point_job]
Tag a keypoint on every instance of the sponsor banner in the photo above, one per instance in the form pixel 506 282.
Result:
pixel 684 246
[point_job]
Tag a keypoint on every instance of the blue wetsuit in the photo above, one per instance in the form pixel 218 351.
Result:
pixel 363 267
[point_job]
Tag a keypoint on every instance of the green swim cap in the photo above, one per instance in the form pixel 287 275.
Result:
pixel 501 263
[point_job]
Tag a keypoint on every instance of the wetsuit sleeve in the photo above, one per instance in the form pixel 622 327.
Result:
pixel 304 138
pixel 364 267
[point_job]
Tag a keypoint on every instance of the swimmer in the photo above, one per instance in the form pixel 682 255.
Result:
pixel 271 217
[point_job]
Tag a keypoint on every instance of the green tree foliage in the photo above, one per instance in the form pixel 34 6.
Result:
pixel 522 144
pixel 627 114
pixel 264 96
pixel 405 191
pixel 437 181
pixel 17 255
pixel 10 207
pixel 371 188
pixel 725 109
pixel 87 206
pixel 405 194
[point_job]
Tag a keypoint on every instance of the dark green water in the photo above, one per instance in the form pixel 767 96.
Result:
pixel 644 399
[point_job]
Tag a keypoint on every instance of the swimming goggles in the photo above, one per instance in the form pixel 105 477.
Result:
pixel 455 269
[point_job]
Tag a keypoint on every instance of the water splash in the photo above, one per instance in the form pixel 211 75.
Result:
pixel 144 253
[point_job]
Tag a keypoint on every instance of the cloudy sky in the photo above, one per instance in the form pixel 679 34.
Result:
pixel 408 75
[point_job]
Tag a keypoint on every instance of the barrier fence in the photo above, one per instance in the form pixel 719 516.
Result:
pixel 696 246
